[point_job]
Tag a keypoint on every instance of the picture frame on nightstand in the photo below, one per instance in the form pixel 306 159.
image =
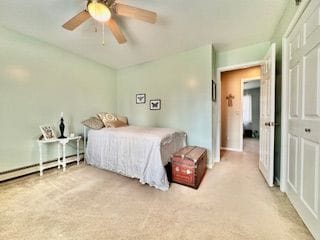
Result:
pixel 47 132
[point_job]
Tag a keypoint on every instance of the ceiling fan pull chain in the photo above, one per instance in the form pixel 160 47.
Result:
pixel 102 34
pixel 95 26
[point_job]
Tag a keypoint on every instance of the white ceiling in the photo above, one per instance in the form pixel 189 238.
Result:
pixel 181 25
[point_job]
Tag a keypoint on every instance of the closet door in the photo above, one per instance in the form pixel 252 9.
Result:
pixel 303 168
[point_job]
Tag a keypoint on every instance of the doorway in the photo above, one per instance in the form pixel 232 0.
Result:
pixel 233 84
pixel 267 68
pixel 250 114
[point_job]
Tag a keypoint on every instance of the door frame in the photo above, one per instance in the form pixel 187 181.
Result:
pixel 284 97
pixel 243 80
pixel 220 70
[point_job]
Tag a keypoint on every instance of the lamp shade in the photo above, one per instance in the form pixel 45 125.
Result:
pixel 99 11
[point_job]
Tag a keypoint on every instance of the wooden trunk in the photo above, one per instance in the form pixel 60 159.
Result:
pixel 189 166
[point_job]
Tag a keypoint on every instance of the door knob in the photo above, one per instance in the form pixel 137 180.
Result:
pixel 268 124
pixel 307 130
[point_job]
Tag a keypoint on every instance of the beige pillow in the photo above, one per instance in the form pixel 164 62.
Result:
pixel 116 124
pixel 123 119
pixel 93 123
pixel 106 118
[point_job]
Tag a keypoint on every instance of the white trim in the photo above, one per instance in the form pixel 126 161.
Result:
pixel 240 66
pixel 218 89
pixel 284 95
pixel 231 149
pixel 210 165
pixel 85 139
pixel 243 80
pixel 296 17
pixel 284 119
pixel 251 79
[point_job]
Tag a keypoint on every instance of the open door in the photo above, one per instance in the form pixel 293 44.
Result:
pixel 267 112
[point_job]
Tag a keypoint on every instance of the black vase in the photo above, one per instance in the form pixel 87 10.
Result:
pixel 61 126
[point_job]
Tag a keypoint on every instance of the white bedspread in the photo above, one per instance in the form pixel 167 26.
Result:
pixel 135 152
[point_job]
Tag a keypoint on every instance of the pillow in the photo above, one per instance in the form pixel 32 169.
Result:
pixel 123 119
pixel 117 123
pixel 93 123
pixel 106 118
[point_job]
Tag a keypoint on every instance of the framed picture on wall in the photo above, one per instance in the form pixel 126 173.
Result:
pixel 155 104
pixel 47 132
pixel 140 98
pixel 214 91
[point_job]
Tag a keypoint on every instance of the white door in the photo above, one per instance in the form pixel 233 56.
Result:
pixel 303 119
pixel 267 111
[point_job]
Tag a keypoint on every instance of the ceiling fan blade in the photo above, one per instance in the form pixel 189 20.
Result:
pixel 137 13
pixel 114 28
pixel 76 20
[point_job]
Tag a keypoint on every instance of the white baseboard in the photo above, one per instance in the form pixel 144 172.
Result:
pixel 33 168
pixel 210 165
pixel 231 149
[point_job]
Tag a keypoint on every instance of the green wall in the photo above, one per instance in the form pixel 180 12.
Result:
pixel 277 38
pixel 251 53
pixel 37 82
pixel 183 83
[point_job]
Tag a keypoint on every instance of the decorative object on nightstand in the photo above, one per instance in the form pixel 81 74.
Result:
pixel 189 166
pixel 61 126
pixel 61 162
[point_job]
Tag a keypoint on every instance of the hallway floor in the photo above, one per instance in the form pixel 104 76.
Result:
pixel 251 145
pixel 232 203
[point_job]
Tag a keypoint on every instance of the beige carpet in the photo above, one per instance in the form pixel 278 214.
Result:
pixel 233 202
pixel 251 145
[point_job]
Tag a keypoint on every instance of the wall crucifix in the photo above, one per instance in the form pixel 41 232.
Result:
pixel 229 99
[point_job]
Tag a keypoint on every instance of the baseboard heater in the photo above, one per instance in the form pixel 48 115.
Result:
pixel 19 172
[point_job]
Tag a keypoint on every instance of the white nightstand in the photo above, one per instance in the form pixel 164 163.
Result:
pixel 61 142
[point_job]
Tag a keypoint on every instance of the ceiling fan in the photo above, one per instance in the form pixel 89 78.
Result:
pixel 104 10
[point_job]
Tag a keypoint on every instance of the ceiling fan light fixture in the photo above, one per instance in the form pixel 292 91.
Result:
pixel 99 11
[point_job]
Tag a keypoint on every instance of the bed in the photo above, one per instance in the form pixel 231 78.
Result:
pixel 136 152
